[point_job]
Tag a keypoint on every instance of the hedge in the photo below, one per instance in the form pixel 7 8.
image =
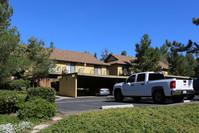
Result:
pixel 37 108
pixel 11 101
pixel 20 84
pixel 42 92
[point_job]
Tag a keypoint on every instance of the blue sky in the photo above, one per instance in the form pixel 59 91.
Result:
pixel 93 25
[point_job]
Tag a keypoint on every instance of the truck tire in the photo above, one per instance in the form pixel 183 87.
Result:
pixel 118 96
pixel 158 96
pixel 136 99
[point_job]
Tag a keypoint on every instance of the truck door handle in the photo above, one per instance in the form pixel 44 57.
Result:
pixel 132 84
pixel 142 84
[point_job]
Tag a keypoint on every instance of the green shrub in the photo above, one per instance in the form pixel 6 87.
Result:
pixel 11 101
pixel 55 85
pixel 20 84
pixel 42 92
pixel 37 108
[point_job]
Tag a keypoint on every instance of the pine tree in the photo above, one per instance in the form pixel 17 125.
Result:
pixel 6 13
pixel 95 55
pixel 147 56
pixel 124 53
pixel 164 53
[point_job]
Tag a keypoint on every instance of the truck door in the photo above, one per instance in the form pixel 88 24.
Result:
pixel 140 85
pixel 129 86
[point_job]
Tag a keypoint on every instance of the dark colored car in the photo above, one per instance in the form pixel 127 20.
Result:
pixel 195 79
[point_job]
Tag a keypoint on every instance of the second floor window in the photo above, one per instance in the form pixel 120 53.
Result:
pixel 70 67
pixel 98 70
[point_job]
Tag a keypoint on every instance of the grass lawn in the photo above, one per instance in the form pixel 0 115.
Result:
pixel 173 119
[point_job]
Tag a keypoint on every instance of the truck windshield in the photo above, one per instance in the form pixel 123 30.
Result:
pixel 156 76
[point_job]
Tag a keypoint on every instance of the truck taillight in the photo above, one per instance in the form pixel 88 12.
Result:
pixel 173 84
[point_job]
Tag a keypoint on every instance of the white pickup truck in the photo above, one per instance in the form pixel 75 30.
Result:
pixel 153 84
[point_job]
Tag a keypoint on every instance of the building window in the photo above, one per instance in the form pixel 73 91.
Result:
pixel 98 70
pixel 125 70
pixel 70 67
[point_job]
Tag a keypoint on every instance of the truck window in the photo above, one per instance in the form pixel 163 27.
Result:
pixel 131 79
pixel 156 76
pixel 141 77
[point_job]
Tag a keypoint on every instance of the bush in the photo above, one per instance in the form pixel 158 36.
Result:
pixel 37 108
pixel 42 92
pixel 20 84
pixel 11 101
pixel 55 85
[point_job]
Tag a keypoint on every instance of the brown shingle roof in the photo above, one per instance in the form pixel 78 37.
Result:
pixel 72 56
pixel 127 60
pixel 121 59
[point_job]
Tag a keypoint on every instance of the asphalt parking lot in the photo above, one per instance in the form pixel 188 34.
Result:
pixel 88 103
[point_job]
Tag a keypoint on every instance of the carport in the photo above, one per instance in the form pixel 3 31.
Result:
pixel 69 83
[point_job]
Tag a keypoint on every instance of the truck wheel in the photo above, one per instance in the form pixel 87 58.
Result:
pixel 178 98
pixel 190 97
pixel 136 99
pixel 158 96
pixel 118 96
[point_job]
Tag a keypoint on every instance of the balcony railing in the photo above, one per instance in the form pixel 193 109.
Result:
pixel 63 70
pixel 125 72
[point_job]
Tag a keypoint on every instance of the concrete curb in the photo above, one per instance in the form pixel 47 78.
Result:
pixel 117 106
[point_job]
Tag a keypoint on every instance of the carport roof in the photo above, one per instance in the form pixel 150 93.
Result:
pixel 98 76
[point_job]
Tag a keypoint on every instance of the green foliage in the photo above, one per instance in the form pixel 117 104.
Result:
pixel 8 42
pixel 165 53
pixel 95 55
pixel 162 119
pixel 178 63
pixel 6 118
pixel 6 12
pixel 147 57
pixel 104 54
pixel 38 58
pixel 37 108
pixel 195 21
pixel 20 84
pixel 11 101
pixel 124 53
pixel 47 94
pixel 55 85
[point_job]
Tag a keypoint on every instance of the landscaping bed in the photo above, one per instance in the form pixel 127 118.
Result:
pixel 181 118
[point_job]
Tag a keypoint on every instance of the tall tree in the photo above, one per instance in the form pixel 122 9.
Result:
pixel 6 12
pixel 8 43
pixel 191 64
pixel 147 57
pixel 191 47
pixel 104 54
pixel 195 21
pixel 165 53
pixel 95 55
pixel 178 63
pixel 124 53
pixel 9 38
pixel 36 63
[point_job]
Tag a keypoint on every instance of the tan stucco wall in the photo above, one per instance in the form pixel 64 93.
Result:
pixel 113 70
pixel 68 85
pixel 80 67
